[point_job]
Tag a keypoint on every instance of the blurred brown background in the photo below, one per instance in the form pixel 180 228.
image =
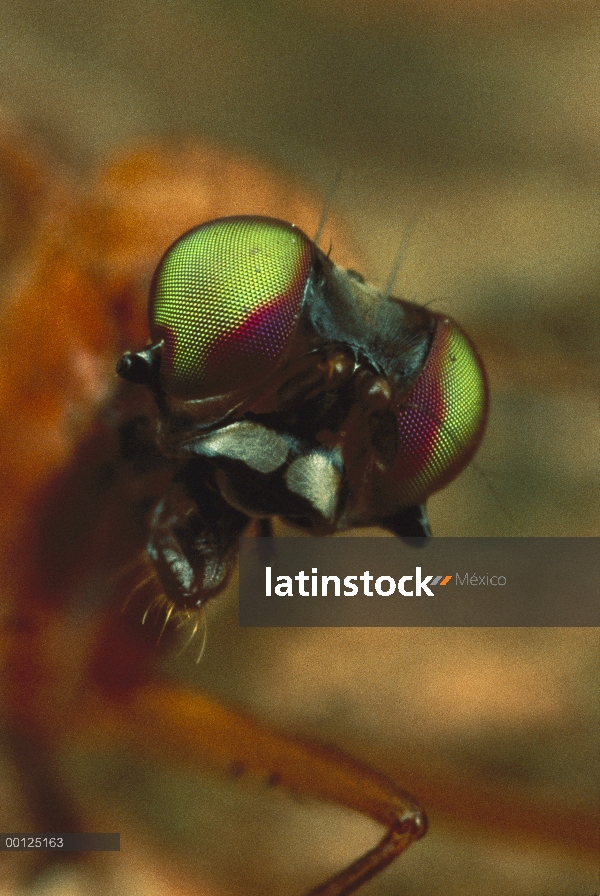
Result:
pixel 484 120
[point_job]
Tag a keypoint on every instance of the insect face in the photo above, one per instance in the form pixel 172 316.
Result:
pixel 288 386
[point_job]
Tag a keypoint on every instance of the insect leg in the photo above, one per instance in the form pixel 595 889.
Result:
pixel 410 522
pixel 190 727
pixel 265 528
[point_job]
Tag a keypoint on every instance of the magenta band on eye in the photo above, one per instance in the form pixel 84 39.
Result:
pixel 442 419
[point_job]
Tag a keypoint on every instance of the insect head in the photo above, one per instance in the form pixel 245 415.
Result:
pixel 288 386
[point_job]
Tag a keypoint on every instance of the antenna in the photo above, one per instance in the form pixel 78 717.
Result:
pixel 327 205
pixel 408 235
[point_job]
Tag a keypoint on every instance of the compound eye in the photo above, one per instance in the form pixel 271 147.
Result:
pixel 443 418
pixel 225 301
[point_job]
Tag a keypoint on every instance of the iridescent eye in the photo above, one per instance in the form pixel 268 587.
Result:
pixel 225 300
pixel 442 419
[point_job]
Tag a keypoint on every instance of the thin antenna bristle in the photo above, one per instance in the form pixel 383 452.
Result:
pixel 192 636
pixel 327 205
pixel 151 606
pixel 408 235
pixel 168 614
pixel 204 636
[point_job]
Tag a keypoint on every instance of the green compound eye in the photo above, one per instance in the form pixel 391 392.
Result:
pixel 225 300
pixel 443 418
